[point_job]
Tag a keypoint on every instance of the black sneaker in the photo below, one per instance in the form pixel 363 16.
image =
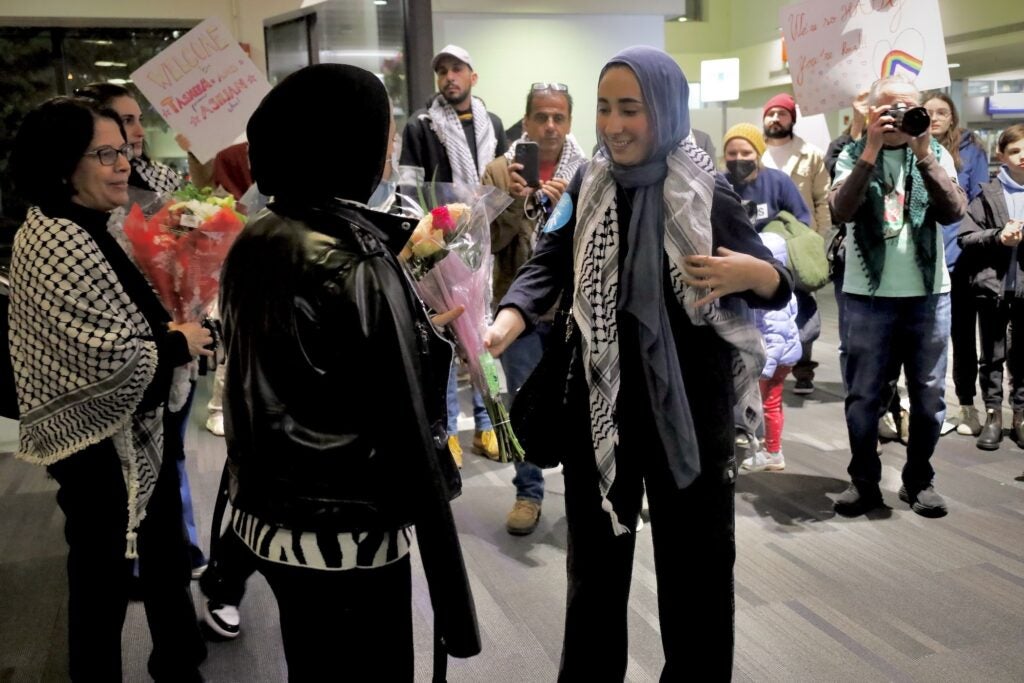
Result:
pixel 925 502
pixel 803 386
pixel 222 619
pixel 854 501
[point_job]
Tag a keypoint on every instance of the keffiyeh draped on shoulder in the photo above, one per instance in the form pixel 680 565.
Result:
pixel 83 355
pixel 687 196
pixel 158 177
pixel 446 125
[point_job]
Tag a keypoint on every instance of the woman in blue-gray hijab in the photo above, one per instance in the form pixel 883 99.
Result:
pixel 658 257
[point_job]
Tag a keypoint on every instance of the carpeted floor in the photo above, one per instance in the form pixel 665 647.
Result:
pixel 893 597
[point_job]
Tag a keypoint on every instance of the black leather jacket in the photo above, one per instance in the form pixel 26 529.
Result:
pixel 334 400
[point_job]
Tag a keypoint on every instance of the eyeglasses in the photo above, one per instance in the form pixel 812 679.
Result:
pixel 557 87
pixel 940 113
pixel 108 155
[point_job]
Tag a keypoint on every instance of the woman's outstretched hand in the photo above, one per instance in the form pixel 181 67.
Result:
pixel 728 273
pixel 507 326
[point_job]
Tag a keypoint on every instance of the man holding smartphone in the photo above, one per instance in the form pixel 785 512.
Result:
pixel 535 171
pixel 452 140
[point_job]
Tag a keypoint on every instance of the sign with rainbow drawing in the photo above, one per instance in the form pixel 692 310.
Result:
pixel 838 48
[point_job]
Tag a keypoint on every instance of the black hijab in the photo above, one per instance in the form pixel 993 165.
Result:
pixel 301 147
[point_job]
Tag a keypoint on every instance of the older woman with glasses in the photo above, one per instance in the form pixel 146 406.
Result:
pixel 92 351
pixel 146 173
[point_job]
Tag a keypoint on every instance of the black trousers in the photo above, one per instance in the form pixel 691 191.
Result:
pixel 964 337
pixel 95 503
pixel 231 564
pixel 694 553
pixel 994 316
pixel 353 625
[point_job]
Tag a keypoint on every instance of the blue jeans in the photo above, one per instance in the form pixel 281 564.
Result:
pixel 480 417
pixel 519 360
pixel 890 332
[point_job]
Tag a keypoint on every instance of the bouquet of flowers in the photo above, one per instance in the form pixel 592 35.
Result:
pixel 449 258
pixel 182 247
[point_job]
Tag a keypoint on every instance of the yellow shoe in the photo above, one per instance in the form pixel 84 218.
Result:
pixel 455 448
pixel 486 444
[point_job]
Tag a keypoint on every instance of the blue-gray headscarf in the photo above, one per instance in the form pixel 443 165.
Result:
pixel 642 281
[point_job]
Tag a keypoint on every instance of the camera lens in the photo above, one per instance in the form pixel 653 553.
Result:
pixel 915 121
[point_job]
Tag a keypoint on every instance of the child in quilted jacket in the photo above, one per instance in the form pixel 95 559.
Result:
pixel 782 340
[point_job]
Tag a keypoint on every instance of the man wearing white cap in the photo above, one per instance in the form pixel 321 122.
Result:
pixel 453 140
pixel 455 137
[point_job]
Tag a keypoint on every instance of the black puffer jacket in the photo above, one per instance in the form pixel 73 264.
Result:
pixel 335 391
pixel 984 259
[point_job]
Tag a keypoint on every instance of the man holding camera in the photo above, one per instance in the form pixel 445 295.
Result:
pixel 896 185
pixel 535 171
pixel 805 164
pixel 452 140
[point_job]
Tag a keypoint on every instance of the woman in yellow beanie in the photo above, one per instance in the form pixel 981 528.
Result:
pixel 764 191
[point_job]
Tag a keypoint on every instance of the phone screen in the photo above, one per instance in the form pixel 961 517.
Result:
pixel 528 154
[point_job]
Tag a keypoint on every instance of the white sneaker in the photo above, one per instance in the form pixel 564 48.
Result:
pixel 754 463
pixel 222 619
pixel 763 461
pixel 215 423
pixel 969 423
pixel 774 462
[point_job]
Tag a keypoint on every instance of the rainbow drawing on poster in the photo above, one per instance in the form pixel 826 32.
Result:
pixel 900 60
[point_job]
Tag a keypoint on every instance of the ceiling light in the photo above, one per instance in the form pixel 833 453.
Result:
pixel 681 19
pixel 92 41
pixel 109 64
pixel 379 3
pixel 953 65
pixel 119 81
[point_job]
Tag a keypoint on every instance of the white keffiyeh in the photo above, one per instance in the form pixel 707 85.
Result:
pixel 160 177
pixel 83 355
pixel 688 192
pixel 446 125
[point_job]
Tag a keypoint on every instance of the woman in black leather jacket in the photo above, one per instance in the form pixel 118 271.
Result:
pixel 334 396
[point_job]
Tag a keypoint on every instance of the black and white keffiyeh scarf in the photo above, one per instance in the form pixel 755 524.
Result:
pixel 571 159
pixel 687 196
pixel 159 177
pixel 83 355
pixel 446 125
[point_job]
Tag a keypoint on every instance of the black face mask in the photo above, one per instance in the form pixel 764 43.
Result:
pixel 740 169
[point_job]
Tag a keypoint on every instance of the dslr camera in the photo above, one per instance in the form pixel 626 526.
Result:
pixel 911 120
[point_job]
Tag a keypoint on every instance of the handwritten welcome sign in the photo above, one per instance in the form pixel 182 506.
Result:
pixel 838 48
pixel 204 86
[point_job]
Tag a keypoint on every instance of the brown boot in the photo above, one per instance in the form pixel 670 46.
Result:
pixel 524 517
pixel 1017 430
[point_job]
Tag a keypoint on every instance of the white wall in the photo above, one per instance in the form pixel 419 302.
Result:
pixel 511 51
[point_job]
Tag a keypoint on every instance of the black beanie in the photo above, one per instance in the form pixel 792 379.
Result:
pixel 321 132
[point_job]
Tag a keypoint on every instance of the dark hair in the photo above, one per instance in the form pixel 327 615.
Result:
pixel 533 93
pixel 50 143
pixel 103 93
pixel 348 154
pixel 1009 136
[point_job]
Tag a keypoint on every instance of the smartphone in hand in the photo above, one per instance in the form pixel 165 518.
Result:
pixel 528 154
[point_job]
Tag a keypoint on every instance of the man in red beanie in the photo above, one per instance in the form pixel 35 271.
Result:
pixel 805 164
